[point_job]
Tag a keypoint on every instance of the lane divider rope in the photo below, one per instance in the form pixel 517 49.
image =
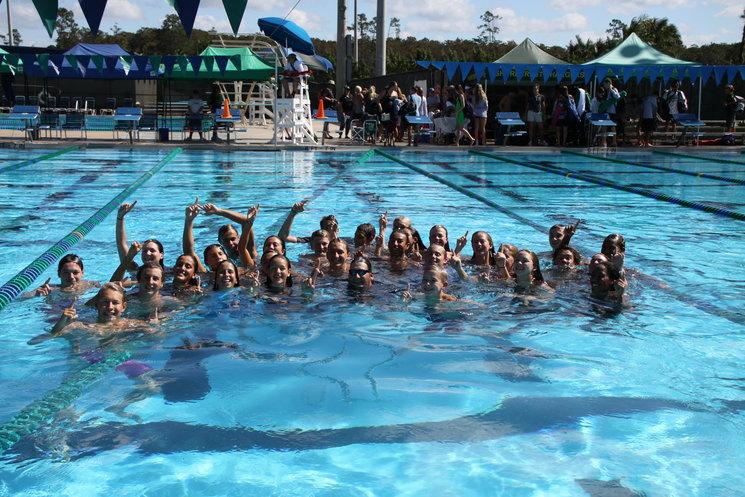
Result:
pixel 21 281
pixel 464 191
pixel 618 186
pixel 699 157
pixel 32 416
pixel 659 168
pixel 18 165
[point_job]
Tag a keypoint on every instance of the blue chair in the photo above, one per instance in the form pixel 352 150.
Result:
pixel 52 122
pixel 508 120
pixel 74 121
pixel 23 118
pixel 127 119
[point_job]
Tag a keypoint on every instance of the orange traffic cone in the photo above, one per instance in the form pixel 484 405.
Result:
pixel 226 109
pixel 321 114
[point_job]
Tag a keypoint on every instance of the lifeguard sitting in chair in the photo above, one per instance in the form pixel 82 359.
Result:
pixel 294 72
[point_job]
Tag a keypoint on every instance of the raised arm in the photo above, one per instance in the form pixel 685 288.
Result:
pixel 457 264
pixel 121 271
pixel 284 231
pixel 236 217
pixel 460 244
pixel 187 242
pixel 380 239
pixel 246 229
pixel 121 234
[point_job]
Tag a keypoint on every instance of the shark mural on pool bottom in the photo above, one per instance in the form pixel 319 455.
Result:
pixel 514 416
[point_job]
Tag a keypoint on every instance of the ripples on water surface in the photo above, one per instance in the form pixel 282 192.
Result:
pixel 495 395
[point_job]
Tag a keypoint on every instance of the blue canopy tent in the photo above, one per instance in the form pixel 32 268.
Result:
pixel 287 34
pixel 89 61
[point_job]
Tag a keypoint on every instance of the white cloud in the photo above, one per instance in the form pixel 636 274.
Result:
pixel 731 11
pixel 207 22
pixel 577 4
pixel 630 8
pixel 122 9
pixel 313 24
pixel 435 19
pixel 513 24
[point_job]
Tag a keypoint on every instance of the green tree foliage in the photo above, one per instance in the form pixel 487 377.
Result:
pixel 394 28
pixel 17 39
pixel 489 27
pixel 169 38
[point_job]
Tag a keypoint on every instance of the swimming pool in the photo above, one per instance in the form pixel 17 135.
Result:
pixel 377 398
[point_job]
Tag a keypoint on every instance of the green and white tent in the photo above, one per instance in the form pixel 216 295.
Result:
pixel 528 52
pixel 244 65
pixel 633 51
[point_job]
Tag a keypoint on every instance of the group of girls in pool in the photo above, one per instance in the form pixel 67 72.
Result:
pixel 235 262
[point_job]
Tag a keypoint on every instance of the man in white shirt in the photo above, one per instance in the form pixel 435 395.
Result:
pixel 294 71
pixel 676 102
pixel 195 115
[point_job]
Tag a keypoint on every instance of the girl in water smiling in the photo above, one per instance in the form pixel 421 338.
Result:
pixel 71 273
pixel 152 249
pixel 528 277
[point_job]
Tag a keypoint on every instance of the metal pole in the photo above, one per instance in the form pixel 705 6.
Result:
pixel 341 52
pixel 356 40
pixel 380 55
pixel 10 24
pixel 700 85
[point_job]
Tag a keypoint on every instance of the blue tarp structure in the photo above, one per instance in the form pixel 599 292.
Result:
pixel 89 61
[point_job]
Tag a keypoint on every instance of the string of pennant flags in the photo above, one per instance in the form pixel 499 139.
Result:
pixel 129 66
pixel 94 10
pixel 493 71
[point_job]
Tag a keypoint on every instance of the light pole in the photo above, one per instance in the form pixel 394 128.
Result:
pixel 10 24
pixel 356 42
pixel 341 49
pixel 380 41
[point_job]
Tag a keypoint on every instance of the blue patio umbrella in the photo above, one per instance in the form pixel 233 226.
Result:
pixel 287 33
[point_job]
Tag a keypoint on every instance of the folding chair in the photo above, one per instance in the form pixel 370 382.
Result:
pixel 90 105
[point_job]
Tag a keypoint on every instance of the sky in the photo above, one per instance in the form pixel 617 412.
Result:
pixel 553 22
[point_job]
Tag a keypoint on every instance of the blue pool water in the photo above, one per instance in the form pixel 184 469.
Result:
pixel 339 397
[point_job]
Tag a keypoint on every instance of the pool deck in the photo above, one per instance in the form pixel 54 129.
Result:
pixel 260 138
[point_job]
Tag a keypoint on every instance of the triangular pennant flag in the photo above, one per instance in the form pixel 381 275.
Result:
pixel 98 62
pixel 574 72
pixel 72 61
pixel 168 62
pixel 222 63
pixel 183 63
pixel 665 73
pixel 451 68
pixel 56 61
pixel 235 9
pixel 187 12
pixel 209 63
pixel 478 70
pixel 519 71
pixel 533 70
pixel 731 74
pixel 47 10
pixel 465 69
pixel 83 62
pixel 491 72
pixel 154 61
pixel 110 62
pixel 718 73
pixel 196 63
pixel 742 72
pixel 140 63
pixel 93 11
pixel 28 62
pixel 438 65
pixel 126 63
